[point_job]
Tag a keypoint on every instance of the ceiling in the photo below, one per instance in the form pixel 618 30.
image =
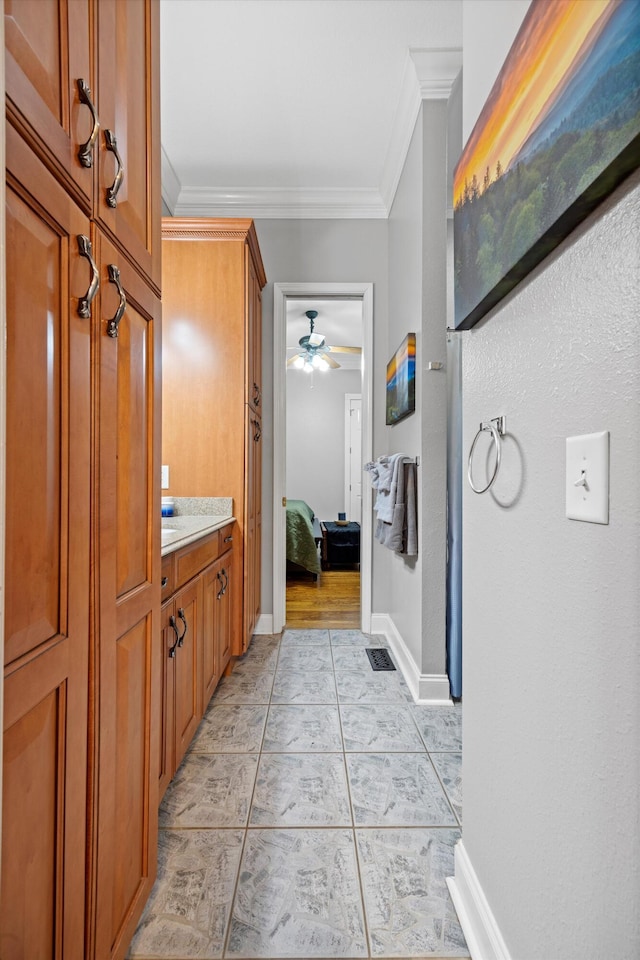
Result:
pixel 297 108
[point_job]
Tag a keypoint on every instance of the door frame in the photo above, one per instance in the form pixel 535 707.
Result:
pixel 336 291
pixel 348 397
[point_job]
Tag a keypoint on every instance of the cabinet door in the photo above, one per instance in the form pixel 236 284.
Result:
pixel 47 567
pixel 252 531
pixel 223 629
pixel 129 96
pixel 166 686
pixel 254 338
pixel 127 564
pixel 212 593
pixel 47 53
pixel 188 696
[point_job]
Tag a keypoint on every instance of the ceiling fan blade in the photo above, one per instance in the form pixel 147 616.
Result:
pixel 332 363
pixel 346 349
pixel 293 359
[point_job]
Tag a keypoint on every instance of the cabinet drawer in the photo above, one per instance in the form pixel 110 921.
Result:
pixel 226 537
pixel 168 576
pixel 192 559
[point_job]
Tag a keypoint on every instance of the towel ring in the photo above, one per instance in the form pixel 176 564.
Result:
pixel 497 429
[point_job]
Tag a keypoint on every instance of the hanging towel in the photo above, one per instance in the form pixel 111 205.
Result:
pixel 386 470
pixel 401 533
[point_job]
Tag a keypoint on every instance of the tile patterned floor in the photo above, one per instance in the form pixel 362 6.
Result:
pixel 314 816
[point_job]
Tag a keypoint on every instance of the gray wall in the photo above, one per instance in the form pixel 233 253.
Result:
pixel 551 610
pixel 315 437
pixel 417 302
pixel 308 251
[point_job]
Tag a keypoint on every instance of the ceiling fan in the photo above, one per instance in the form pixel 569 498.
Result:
pixel 314 353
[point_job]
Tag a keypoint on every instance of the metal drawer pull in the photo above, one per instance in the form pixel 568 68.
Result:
pixel 164 582
pixel 228 539
pixel 85 151
pixel 184 620
pixel 114 323
pixel 112 191
pixel 172 624
pixel 84 303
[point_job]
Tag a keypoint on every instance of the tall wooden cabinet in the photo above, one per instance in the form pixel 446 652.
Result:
pixel 82 581
pixel 212 278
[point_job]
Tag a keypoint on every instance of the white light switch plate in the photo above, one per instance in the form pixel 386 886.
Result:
pixel 587 480
pixel 164 476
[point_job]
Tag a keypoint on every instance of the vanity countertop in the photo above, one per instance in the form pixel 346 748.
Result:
pixel 179 531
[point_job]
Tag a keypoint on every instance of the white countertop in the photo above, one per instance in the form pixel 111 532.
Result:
pixel 179 531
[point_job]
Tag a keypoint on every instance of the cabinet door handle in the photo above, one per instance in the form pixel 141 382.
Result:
pixel 84 303
pixel 114 323
pixel 164 582
pixel 257 394
pixel 257 433
pixel 112 191
pixel 172 624
pixel 85 151
pixel 228 539
pixel 184 632
pixel 226 581
pixel 221 590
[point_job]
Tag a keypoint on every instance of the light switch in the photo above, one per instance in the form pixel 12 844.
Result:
pixel 587 481
pixel 164 476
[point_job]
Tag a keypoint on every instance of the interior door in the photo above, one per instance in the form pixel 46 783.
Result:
pixel 354 458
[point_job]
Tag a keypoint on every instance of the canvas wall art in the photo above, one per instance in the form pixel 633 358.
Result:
pixel 401 381
pixel 559 131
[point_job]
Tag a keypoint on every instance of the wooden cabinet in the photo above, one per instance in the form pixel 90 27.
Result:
pixel 82 611
pixel 195 644
pixel 212 278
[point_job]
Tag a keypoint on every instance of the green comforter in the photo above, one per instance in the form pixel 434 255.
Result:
pixel 301 545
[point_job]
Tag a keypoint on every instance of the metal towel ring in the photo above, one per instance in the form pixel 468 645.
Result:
pixel 497 428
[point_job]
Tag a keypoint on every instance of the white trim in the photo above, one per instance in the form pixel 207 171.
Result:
pixel 281 203
pixel 317 290
pixel 264 626
pixel 426 688
pixel 478 923
pixel 171 186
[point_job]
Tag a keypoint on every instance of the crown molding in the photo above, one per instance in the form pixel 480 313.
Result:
pixel 171 186
pixel 281 203
pixel 428 75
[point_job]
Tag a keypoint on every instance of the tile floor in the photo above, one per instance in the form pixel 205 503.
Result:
pixel 314 815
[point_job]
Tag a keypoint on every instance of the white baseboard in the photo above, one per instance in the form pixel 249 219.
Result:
pixel 426 688
pixel 264 624
pixel 478 923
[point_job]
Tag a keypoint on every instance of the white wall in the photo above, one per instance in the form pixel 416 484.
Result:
pixel 551 719
pixel 308 251
pixel 315 437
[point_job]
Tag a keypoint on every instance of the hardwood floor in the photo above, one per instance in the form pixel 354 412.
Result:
pixel 332 601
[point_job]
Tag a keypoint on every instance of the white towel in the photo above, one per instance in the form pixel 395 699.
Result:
pixel 387 490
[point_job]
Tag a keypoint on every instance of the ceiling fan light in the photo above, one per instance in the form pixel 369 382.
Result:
pixel 307 365
pixel 298 363
pixel 321 363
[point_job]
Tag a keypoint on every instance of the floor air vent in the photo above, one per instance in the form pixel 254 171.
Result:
pixel 379 658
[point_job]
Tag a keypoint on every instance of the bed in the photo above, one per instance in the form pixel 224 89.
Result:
pixel 303 536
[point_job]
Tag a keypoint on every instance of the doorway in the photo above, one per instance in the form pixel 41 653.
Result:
pixel 284 293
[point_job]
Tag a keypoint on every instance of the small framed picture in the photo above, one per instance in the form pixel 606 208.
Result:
pixel 401 381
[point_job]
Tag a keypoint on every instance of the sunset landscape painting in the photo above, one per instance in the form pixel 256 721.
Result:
pixel 559 131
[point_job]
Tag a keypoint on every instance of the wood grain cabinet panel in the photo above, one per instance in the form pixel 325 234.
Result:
pixel 47 567
pixel 47 51
pixel 212 278
pixel 128 84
